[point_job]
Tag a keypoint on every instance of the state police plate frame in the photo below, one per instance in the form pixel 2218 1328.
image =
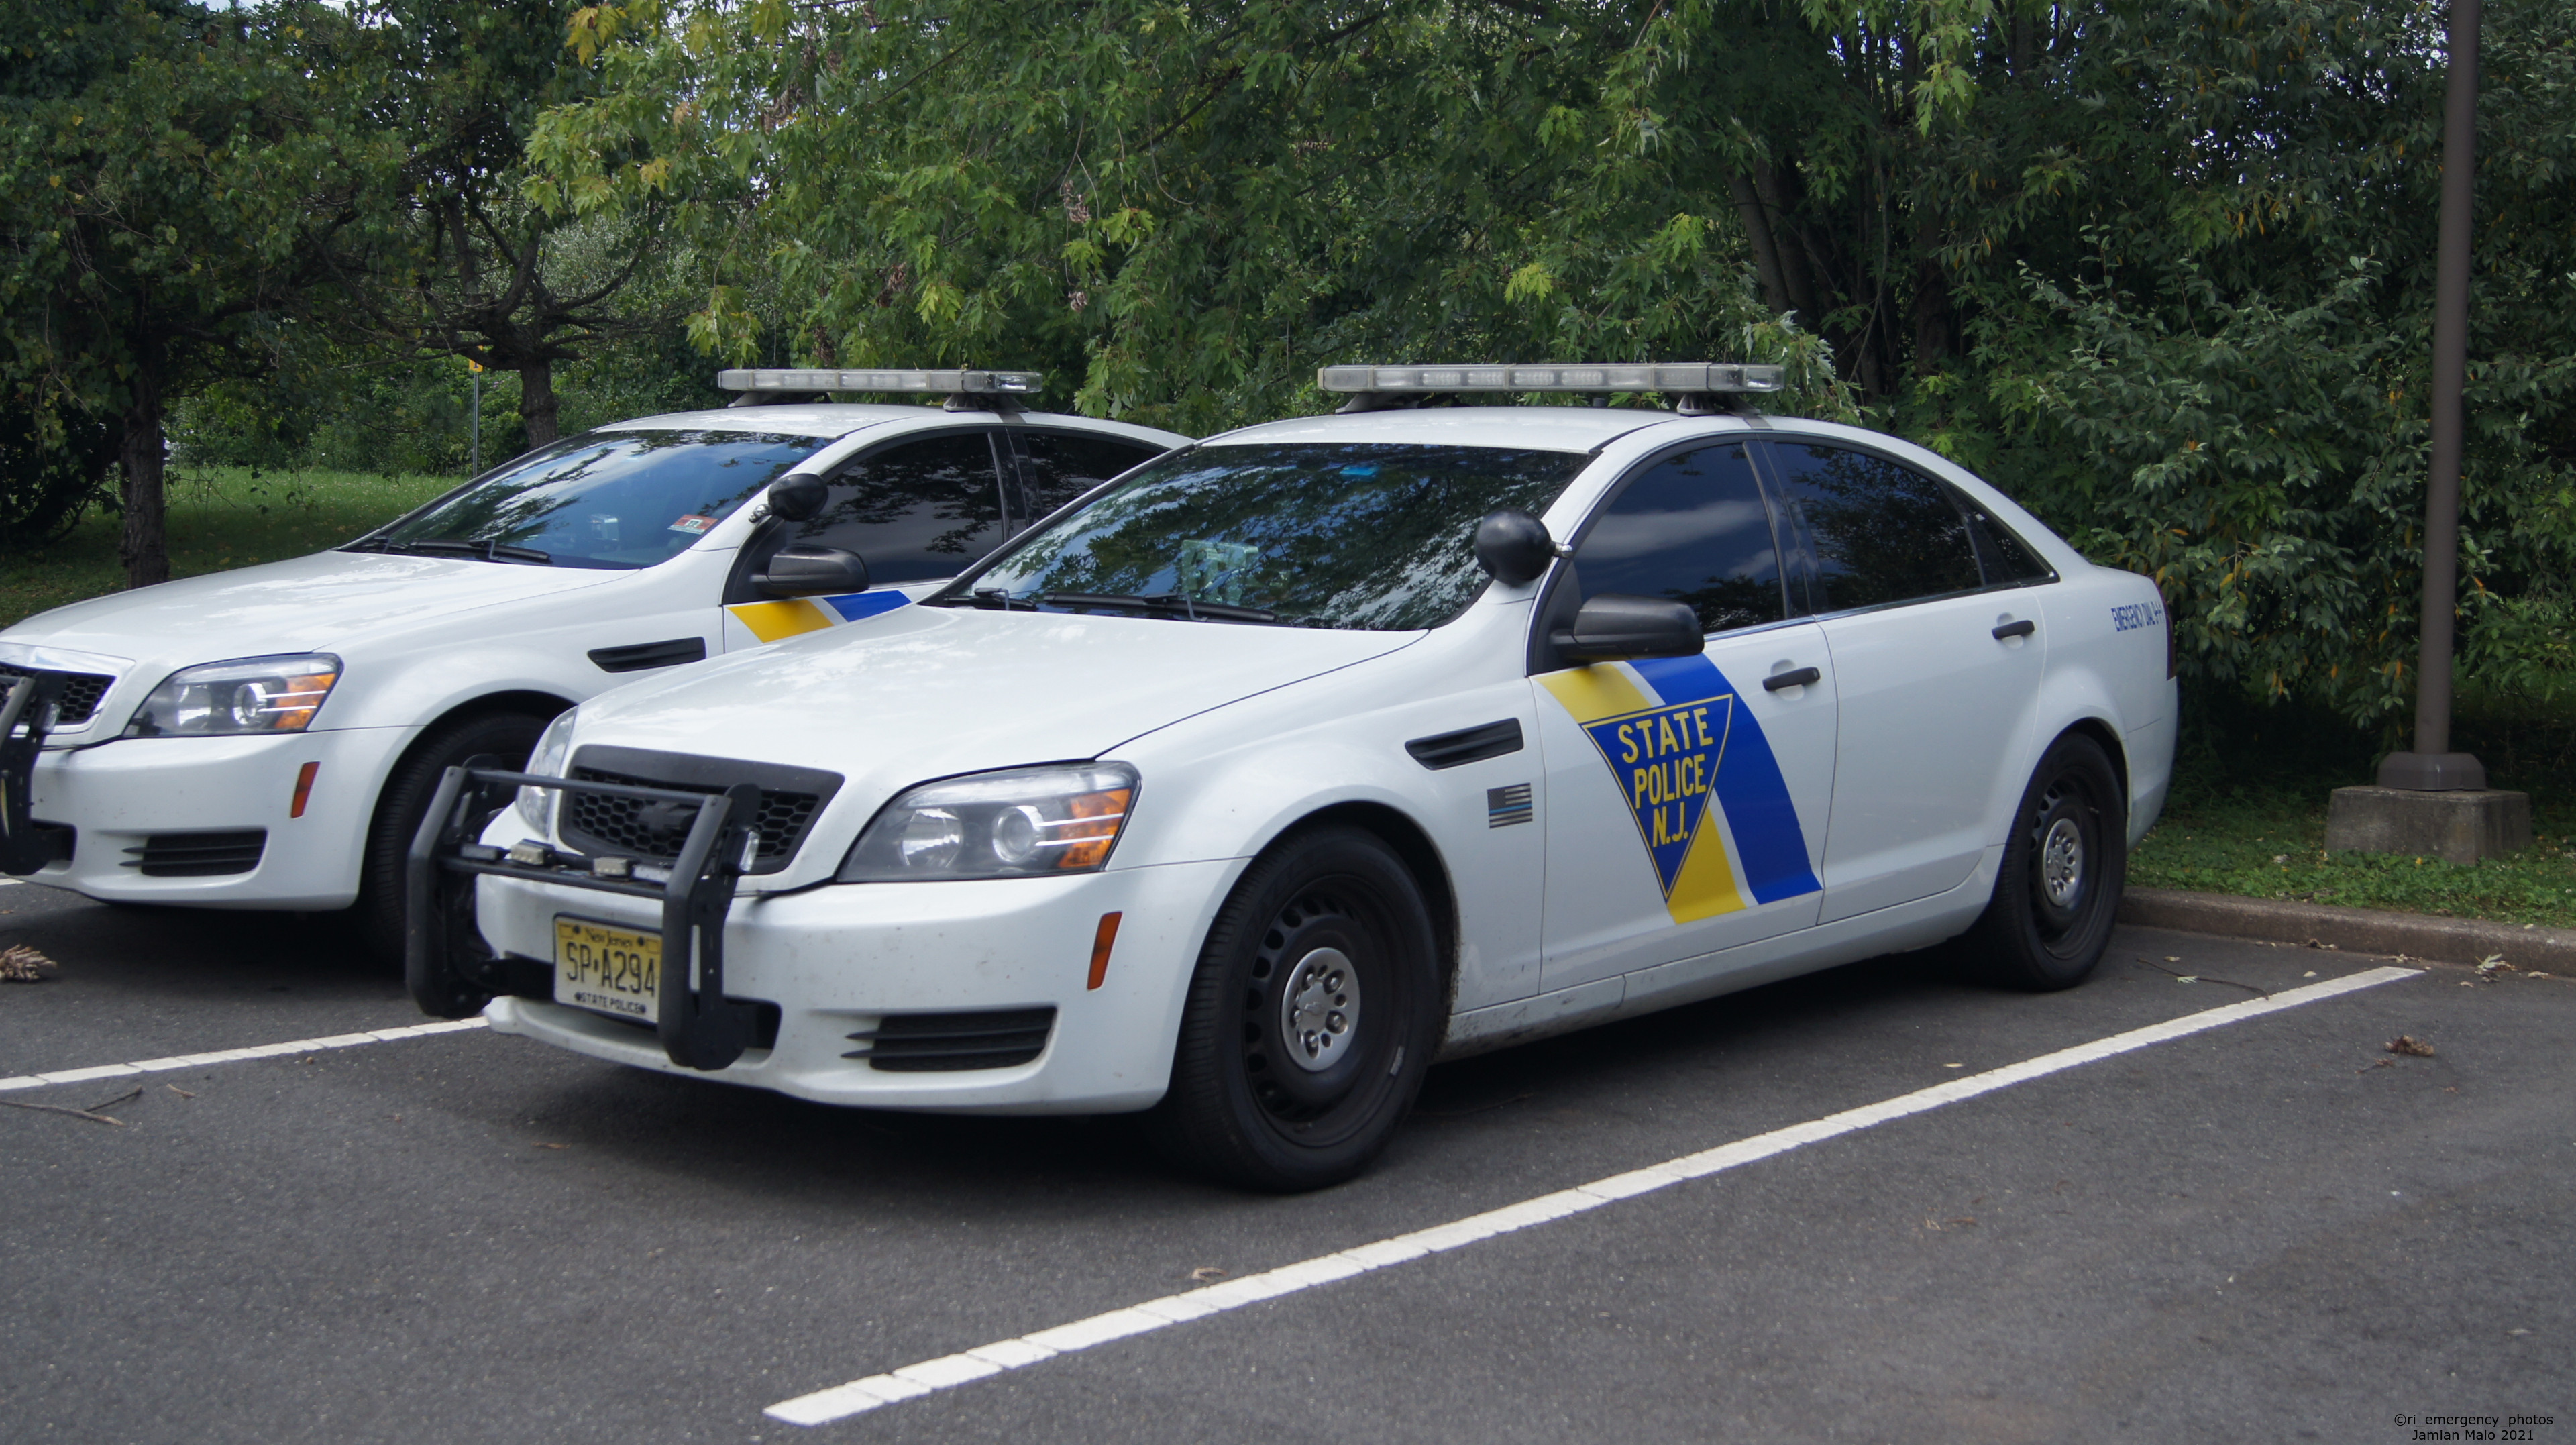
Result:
pixel 608 968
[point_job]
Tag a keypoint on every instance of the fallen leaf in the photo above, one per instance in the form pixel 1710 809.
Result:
pixel 2311 973
pixel 1954 1066
pixel 554 1146
pixel 1207 1272
pixel 2410 1045
pixel 21 964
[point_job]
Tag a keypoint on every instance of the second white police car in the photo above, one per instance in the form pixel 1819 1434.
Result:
pixel 269 737
pixel 1307 755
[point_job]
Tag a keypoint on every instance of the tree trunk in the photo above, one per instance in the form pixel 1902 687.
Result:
pixel 537 401
pixel 145 549
pixel 1757 234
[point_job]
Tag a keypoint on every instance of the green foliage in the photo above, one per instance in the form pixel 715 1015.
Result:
pixel 169 180
pixel 2163 270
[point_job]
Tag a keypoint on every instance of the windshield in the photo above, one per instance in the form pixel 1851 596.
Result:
pixel 1374 537
pixel 601 499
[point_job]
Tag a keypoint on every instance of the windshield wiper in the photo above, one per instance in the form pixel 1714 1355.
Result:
pixel 481 551
pixel 1169 604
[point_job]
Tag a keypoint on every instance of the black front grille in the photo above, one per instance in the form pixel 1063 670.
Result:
pixel 637 828
pixel 81 691
pixel 943 1043
pixel 198 855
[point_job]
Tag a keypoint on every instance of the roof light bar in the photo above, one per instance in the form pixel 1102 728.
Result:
pixel 943 383
pixel 1682 377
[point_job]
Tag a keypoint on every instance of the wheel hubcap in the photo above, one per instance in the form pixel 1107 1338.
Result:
pixel 1319 1010
pixel 2061 862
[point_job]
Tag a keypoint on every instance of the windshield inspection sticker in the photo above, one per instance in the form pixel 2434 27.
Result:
pixel 1698 776
pixel 693 524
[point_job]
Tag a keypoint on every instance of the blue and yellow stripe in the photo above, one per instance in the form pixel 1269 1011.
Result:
pixel 773 621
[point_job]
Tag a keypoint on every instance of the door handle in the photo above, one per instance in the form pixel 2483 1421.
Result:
pixel 1800 678
pixel 2023 628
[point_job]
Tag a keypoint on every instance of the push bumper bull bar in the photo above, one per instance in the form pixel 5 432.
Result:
pixel 450 971
pixel 27 714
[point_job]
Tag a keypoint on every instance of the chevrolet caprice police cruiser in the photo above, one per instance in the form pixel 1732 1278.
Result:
pixel 1310 754
pixel 269 737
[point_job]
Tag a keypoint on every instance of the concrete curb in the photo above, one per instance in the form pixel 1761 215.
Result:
pixel 2355 930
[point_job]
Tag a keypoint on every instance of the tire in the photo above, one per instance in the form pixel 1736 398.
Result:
pixel 1310 1021
pixel 2065 862
pixel 508 736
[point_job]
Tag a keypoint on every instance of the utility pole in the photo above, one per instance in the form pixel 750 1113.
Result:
pixel 2430 799
pixel 474 466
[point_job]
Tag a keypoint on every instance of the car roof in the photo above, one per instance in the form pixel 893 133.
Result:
pixel 834 419
pixel 1548 428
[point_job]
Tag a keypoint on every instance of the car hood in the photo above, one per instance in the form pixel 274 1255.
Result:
pixel 927 692
pixel 307 604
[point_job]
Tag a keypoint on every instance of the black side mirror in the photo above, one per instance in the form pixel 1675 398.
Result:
pixel 798 497
pixel 1513 547
pixel 811 572
pixel 1620 626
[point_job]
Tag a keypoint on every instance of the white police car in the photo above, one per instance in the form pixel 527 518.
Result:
pixel 1304 756
pixel 269 737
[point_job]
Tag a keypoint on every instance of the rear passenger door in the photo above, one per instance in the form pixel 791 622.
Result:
pixel 1686 797
pixel 1936 672
pixel 918 510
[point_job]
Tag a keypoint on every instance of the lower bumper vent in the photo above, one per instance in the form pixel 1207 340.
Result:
pixel 943 1043
pixel 198 855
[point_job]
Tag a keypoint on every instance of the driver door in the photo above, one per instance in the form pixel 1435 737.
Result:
pixel 918 512
pixel 1688 795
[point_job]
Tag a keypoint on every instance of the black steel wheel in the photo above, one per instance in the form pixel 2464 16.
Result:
pixel 1310 1021
pixel 2064 865
pixel 507 738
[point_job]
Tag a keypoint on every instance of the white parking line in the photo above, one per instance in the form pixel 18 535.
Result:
pixel 859 1396
pixel 227 1056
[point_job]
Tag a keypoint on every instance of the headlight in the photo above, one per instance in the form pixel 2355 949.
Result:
pixel 553 750
pixel 248 695
pixel 1024 823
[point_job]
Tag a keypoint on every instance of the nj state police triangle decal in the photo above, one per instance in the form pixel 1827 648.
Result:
pixel 1695 771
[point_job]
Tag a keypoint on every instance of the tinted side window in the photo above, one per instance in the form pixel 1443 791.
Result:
pixel 2007 559
pixel 1873 531
pixel 1694 528
pixel 1056 467
pixel 917 511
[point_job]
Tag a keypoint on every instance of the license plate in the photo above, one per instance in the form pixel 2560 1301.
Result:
pixel 613 970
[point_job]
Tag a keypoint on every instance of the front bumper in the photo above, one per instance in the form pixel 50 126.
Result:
pixel 839 959
pixel 140 794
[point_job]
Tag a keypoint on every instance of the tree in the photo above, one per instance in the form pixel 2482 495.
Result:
pixel 168 177
pixel 2162 269
pixel 490 276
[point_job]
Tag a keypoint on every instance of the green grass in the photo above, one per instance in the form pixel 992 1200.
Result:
pixel 220 518
pixel 2248 817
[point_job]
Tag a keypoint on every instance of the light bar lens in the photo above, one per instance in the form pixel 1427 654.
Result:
pixel 1693 376
pixel 944 383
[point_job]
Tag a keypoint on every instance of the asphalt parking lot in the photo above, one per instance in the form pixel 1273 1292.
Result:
pixel 2266 1229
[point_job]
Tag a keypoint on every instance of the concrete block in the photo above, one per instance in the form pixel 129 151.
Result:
pixel 2458 827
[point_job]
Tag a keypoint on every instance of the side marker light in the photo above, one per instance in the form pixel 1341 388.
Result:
pixel 303 789
pixel 1101 939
